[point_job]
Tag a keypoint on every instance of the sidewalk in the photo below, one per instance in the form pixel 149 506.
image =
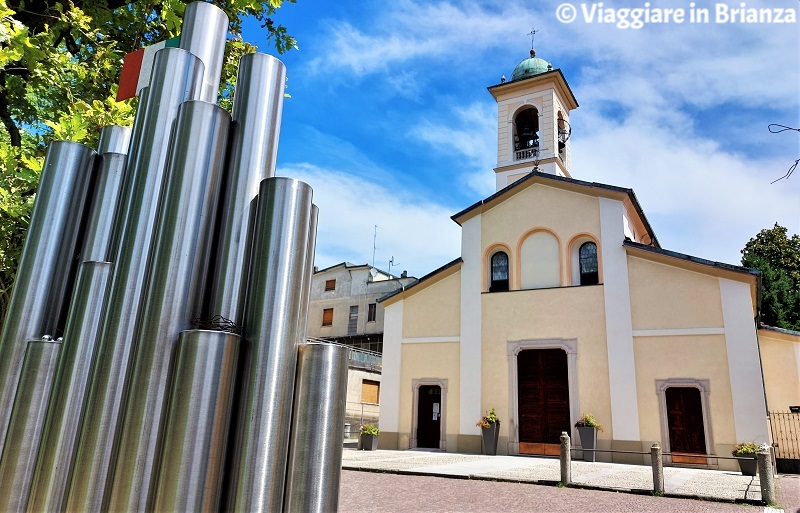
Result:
pixel 703 484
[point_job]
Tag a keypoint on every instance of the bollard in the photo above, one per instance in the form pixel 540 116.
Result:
pixel 658 469
pixel 765 477
pixel 566 460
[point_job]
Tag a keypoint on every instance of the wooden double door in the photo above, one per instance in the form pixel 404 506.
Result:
pixel 543 400
pixel 687 434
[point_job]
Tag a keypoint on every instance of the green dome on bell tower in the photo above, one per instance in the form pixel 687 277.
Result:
pixel 530 67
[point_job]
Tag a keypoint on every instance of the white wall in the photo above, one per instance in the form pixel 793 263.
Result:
pixel 471 269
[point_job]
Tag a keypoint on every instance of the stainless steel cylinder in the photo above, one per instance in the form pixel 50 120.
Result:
pixel 196 435
pixel 271 331
pixel 257 109
pixel 45 272
pixel 178 269
pixel 57 451
pixel 177 77
pixel 27 420
pixel 308 274
pixel 105 198
pixel 204 33
pixel 315 450
pixel 114 139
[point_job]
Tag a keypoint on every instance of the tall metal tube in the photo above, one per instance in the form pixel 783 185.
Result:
pixel 204 33
pixel 177 77
pixel 114 139
pixel 178 269
pixel 315 449
pixel 271 330
pixel 196 436
pixel 257 108
pixel 43 277
pixel 105 198
pixel 57 450
pixel 308 274
pixel 27 420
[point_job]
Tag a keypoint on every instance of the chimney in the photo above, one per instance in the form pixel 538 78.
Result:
pixel 404 274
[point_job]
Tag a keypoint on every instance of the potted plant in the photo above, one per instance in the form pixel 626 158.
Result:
pixel 746 452
pixel 369 437
pixel 490 429
pixel 587 431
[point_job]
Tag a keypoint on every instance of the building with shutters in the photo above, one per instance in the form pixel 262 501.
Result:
pixel 344 309
pixel 563 302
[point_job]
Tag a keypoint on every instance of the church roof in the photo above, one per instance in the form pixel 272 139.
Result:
pixel 598 189
pixel 427 277
pixel 692 259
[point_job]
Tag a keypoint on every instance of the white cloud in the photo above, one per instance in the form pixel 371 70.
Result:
pixel 470 137
pixel 419 234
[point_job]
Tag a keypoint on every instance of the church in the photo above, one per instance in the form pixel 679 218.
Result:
pixel 563 302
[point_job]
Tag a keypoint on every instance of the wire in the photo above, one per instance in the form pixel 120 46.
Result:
pixel 788 173
pixel 781 128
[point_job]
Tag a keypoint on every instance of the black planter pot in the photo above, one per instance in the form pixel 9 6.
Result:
pixel 748 466
pixel 490 436
pixel 588 436
pixel 369 442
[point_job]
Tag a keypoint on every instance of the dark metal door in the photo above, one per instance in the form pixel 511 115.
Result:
pixel 429 418
pixel 685 421
pixel 543 399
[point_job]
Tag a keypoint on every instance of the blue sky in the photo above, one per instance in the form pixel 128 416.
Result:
pixel 390 121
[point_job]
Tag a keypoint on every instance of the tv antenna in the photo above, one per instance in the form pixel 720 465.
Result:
pixel 374 240
pixel 392 263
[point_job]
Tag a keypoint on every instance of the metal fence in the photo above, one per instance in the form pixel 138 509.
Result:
pixel 785 428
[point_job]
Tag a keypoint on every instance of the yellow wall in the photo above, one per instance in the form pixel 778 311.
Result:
pixel 690 357
pixel 438 360
pixel 434 311
pixel 665 297
pixel 564 213
pixel 779 359
pixel 572 313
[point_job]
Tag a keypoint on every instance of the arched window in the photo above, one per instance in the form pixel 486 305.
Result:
pixel 499 273
pixel 587 255
pixel 526 134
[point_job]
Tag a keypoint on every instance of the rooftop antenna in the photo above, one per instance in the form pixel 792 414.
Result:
pixel 392 263
pixel 374 239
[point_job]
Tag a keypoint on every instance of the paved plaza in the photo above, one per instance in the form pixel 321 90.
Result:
pixel 703 484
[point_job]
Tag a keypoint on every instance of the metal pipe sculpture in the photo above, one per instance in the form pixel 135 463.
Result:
pixel 195 441
pixel 203 33
pixel 177 77
pixel 57 451
pixel 257 108
pixel 178 269
pixel 315 455
pixel 271 330
pixel 41 287
pixel 143 412
pixel 27 421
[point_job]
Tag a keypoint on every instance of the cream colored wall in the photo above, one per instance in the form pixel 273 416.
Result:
pixel 665 297
pixel 570 313
pixel 439 360
pixel 434 311
pixel 780 359
pixel 540 261
pixel 564 213
pixel 690 357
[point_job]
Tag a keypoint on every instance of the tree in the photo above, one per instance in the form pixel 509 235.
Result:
pixel 777 256
pixel 59 69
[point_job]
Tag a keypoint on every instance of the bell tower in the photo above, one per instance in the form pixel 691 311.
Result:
pixel 533 127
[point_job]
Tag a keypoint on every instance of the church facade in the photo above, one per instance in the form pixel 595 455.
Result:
pixel 562 303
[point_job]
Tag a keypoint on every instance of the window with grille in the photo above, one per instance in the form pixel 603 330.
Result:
pixel 327 317
pixel 499 272
pixel 370 391
pixel 587 256
pixel 372 310
pixel 330 285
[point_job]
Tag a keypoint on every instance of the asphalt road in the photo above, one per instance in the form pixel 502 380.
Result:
pixel 376 492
